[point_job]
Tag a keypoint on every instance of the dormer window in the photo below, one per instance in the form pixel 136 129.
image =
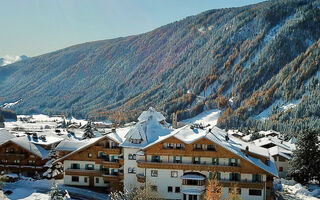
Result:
pixel 179 146
pixel 136 141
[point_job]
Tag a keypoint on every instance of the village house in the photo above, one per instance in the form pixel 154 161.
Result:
pixel 19 155
pixel 174 162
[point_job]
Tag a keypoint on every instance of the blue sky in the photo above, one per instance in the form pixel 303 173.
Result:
pixel 35 27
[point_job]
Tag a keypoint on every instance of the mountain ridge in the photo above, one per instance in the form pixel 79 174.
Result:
pixel 238 50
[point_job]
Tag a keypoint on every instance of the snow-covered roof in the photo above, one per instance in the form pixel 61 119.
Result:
pixel 276 150
pixel 85 143
pixel 5 136
pixel 151 112
pixel 218 136
pixel 148 131
pixel 273 140
pixel 25 143
pixel 70 145
pixel 47 141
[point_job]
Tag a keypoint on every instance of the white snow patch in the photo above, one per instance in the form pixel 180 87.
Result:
pixel 206 117
pixel 9 105
pixel 7 59
pixel 264 115
pixel 208 91
pixel 202 30
pixel 290 104
pixel 296 191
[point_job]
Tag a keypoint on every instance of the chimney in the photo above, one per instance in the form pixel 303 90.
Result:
pixel 247 151
pixel 113 130
pixel 174 120
pixel 227 137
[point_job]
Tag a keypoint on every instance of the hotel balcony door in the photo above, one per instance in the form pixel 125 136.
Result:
pixel 190 197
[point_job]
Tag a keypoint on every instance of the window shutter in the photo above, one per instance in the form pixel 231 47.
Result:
pixel 213 161
pixel 259 178
pixel 174 159
pixel 180 158
pixel 86 166
pixel 199 160
pixel 112 158
pixel 237 162
pixel 253 177
pixel 238 176
pixel 152 158
pixel 217 161
pixel 230 176
pixel 219 176
pixel 229 161
pixel 210 175
pixel 112 170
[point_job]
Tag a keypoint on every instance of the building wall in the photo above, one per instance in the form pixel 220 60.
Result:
pixel 130 179
pixel 68 181
pixel 284 163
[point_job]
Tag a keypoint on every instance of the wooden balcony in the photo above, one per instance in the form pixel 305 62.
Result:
pixel 121 161
pixel 187 166
pixel 141 178
pixel 109 164
pixel 242 184
pixel 108 150
pixel 112 178
pixel 13 155
pixel 83 172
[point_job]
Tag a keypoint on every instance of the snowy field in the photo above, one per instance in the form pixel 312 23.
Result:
pixel 206 117
pixel 290 190
pixel 30 189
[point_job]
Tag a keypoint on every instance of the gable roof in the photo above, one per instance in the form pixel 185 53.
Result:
pixel 151 112
pixel 85 144
pixel 5 136
pixel 24 143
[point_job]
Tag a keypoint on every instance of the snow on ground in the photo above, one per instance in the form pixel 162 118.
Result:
pixel 9 105
pixel 29 189
pixel 206 117
pixel 289 189
pixel 290 104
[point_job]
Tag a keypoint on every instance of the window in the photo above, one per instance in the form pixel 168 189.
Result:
pixel 7 150
pixel 32 156
pixel 89 155
pixel 132 156
pixel 90 167
pixel 136 141
pixel 75 166
pixel 177 190
pixel 155 159
pixel 86 179
pixel 154 188
pixel 256 178
pixel 16 161
pixel 196 160
pixel 234 176
pixel 282 159
pixel 97 180
pixel 177 159
pixel 280 169
pixel 197 146
pixel 170 146
pixel 31 162
pixel 75 178
pixel 12 150
pixel 174 174
pixel 134 170
pixel 211 147
pixel 235 190
pixel 154 173
pixel 130 170
pixel 233 162
pixel 169 189
pixel 179 146
pixel 255 192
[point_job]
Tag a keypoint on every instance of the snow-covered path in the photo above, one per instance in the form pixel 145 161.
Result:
pixel 29 189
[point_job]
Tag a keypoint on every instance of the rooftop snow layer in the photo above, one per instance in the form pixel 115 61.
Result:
pixel 25 143
pixel 5 136
pixel 145 115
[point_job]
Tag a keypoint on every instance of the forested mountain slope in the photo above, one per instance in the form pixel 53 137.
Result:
pixel 241 60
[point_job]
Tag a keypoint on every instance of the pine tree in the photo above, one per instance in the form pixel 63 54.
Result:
pixel 88 131
pixel 305 163
pixel 55 193
pixel 53 169
pixel 213 190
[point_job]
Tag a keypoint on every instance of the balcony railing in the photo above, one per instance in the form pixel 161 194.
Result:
pixel 187 166
pixel 242 183
pixel 141 178
pixel 83 172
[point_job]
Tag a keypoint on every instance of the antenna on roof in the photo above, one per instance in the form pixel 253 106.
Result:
pixel 247 151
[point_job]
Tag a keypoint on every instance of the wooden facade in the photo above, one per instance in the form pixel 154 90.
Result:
pixel 16 159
